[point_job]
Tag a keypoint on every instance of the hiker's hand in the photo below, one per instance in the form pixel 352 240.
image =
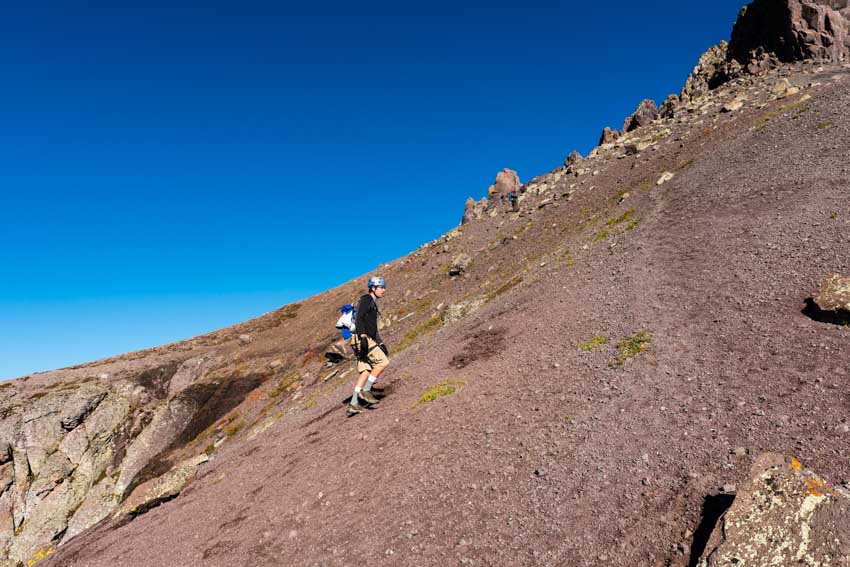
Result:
pixel 384 348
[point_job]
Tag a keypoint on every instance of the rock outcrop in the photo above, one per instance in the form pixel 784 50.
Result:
pixel 792 30
pixel 645 114
pixel 71 452
pixel 507 180
pixel 473 210
pixel 608 136
pixel 669 106
pixel 572 159
pixel 58 445
pixel 702 78
pixel 785 515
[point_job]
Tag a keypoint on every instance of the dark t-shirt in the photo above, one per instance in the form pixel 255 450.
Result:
pixel 366 321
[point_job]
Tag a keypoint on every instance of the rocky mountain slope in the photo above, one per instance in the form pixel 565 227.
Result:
pixel 584 382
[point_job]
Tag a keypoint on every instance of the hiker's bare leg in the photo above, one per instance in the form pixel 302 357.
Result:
pixel 361 380
pixel 377 371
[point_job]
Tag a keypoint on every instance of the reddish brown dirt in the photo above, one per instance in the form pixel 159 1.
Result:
pixel 548 456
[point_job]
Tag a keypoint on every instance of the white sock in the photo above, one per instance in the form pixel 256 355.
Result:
pixel 369 383
pixel 354 399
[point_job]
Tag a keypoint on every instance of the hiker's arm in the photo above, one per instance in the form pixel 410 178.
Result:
pixel 360 316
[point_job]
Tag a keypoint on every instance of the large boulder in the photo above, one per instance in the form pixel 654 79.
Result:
pixel 507 180
pixel 792 30
pixel 834 295
pixel 784 515
pixel 645 114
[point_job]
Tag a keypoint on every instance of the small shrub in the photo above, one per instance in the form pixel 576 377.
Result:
pixel 311 403
pixel 444 388
pixel 601 236
pixel 824 125
pixel 593 344
pixel 631 225
pixel 631 347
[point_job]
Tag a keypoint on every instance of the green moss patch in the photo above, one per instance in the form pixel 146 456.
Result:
pixel 444 388
pixel 593 344
pixel 631 347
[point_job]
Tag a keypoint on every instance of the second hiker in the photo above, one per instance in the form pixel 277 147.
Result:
pixel 366 342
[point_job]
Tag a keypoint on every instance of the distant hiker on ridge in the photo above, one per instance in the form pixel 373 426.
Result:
pixel 366 342
pixel 514 201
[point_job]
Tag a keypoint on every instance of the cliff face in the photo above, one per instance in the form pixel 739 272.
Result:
pixel 610 359
pixel 793 30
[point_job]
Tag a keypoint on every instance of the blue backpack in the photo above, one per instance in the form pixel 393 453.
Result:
pixel 345 323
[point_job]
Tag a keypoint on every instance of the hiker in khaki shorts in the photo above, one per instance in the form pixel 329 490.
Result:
pixel 366 342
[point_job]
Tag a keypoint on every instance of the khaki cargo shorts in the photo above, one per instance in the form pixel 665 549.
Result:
pixel 377 358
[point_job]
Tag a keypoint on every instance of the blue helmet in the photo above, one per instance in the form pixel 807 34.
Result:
pixel 375 281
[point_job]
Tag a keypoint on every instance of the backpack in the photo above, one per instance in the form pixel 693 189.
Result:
pixel 346 321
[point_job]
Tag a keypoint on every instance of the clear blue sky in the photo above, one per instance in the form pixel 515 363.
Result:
pixel 172 167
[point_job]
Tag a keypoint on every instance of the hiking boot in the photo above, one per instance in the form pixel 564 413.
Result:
pixel 368 397
pixel 354 409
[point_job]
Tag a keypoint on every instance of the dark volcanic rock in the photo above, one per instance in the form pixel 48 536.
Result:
pixel 793 30
pixel 646 112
